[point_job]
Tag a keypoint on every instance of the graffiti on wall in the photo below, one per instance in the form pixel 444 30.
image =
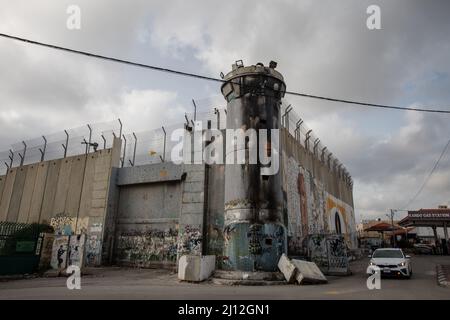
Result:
pixel 337 255
pixel 63 224
pixel 293 195
pixel 216 240
pixel 59 252
pixel 82 225
pixel 76 250
pixel 315 203
pixel 341 216
pixel 190 240
pixel 93 248
pixel 311 210
pixel 329 252
pixel 143 248
pixel 47 251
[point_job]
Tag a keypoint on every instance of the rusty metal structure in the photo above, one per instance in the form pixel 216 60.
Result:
pixel 255 236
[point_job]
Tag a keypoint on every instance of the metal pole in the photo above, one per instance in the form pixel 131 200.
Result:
pixel 195 109
pixel 134 151
pixel 323 154
pixel 297 129
pixel 120 132
pixel 104 141
pixel 392 223
pixel 217 111
pixel 90 139
pixel 11 158
pixel 286 117
pixel 164 152
pixel 316 143
pixel 86 143
pixel 43 151
pixel 308 135
pixel 22 157
pixel 67 143
pixel 124 149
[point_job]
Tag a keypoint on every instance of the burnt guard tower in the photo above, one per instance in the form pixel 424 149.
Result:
pixel 255 236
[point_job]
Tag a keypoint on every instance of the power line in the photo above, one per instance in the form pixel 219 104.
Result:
pixel 198 76
pixel 429 176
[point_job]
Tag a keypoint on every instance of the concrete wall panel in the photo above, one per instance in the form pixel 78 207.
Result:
pixel 27 195
pixel 50 191
pixel 62 187
pixel 16 197
pixel 2 184
pixel 86 192
pixel 38 192
pixel 7 192
pixel 75 186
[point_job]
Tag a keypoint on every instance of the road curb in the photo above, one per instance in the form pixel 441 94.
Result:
pixel 442 275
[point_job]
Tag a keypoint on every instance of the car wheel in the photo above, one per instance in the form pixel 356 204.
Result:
pixel 409 275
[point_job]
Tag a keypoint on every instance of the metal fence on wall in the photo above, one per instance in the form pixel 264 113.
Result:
pixel 153 146
pixel 61 144
pixel 306 137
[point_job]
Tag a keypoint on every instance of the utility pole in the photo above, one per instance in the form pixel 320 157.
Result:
pixel 392 224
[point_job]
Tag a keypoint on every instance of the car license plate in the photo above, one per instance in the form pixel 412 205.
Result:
pixel 387 270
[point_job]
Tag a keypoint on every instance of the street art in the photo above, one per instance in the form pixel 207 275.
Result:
pixel 303 205
pixel 337 255
pixel 76 250
pixel 47 251
pixel 190 240
pixel 93 246
pixel 216 241
pixel 311 210
pixel 141 249
pixel 347 219
pixel 59 252
pixel 315 203
pixel 293 195
pixel 63 225
pixel 82 225
pixel 329 252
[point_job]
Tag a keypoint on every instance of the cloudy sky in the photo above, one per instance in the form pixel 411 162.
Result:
pixel 322 47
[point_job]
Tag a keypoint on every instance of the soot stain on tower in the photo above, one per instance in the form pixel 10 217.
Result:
pixel 255 236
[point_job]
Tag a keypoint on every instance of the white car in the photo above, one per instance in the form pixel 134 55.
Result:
pixel 391 262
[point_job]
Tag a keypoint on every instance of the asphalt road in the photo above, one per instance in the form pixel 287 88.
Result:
pixel 117 283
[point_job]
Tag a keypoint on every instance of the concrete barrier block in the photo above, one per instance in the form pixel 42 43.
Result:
pixel 287 268
pixel 308 272
pixel 196 268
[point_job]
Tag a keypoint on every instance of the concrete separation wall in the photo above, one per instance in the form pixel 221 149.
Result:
pixel 71 194
pixel 159 217
pixel 317 199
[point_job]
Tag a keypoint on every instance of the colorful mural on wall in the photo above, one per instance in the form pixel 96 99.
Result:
pixel 311 210
pixel 63 224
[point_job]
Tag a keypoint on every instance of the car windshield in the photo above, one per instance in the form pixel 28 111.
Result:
pixel 388 254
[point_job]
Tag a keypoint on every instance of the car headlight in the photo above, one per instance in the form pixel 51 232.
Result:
pixel 402 264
